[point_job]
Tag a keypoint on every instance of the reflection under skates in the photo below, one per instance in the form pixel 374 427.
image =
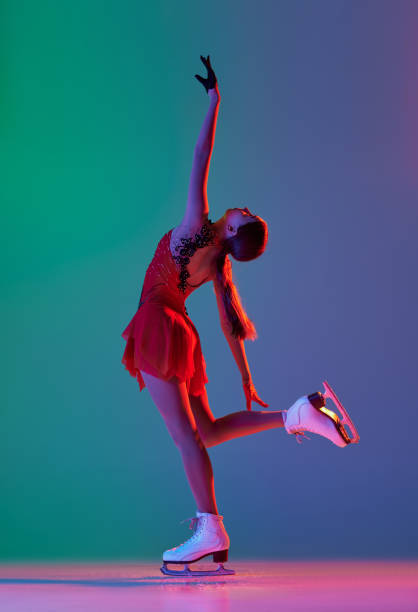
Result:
pixel 309 413
pixel 209 538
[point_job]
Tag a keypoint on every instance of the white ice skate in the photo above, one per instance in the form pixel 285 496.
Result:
pixel 308 413
pixel 209 538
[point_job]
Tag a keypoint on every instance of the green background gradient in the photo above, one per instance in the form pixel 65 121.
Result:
pixel 317 133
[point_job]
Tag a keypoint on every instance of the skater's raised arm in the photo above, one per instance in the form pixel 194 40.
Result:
pixel 206 139
pixel 197 209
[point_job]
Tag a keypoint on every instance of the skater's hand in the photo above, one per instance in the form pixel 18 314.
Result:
pixel 251 395
pixel 210 83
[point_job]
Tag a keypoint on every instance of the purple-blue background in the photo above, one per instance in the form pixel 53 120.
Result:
pixel 317 133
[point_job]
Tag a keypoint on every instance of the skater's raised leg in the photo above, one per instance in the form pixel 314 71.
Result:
pixel 234 425
pixel 172 401
pixel 308 413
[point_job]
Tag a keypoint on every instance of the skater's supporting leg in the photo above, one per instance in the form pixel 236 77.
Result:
pixel 172 401
pixel 243 423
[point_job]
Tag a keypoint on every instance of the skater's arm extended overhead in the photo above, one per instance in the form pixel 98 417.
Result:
pixel 197 200
pixel 197 209
pixel 206 139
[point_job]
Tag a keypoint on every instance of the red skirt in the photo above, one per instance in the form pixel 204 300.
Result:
pixel 164 342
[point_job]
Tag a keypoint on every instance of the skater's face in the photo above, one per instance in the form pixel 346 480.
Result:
pixel 235 217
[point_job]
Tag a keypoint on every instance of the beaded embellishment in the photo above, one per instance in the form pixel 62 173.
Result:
pixel 189 246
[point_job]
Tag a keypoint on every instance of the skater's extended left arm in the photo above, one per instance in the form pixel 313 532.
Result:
pixel 238 351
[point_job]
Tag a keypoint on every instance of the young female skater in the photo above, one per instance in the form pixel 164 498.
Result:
pixel 163 350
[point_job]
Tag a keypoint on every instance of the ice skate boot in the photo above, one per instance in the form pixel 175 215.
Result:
pixel 209 538
pixel 309 413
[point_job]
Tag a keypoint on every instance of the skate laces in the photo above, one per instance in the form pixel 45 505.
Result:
pixel 302 435
pixel 193 520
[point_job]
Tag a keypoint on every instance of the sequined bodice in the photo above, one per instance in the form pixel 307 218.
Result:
pixel 166 276
pixel 187 248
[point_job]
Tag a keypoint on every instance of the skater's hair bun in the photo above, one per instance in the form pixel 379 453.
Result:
pixel 248 243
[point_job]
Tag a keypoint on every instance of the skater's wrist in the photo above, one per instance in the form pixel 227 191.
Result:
pixel 213 92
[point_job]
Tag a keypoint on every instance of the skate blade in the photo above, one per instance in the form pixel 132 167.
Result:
pixel 220 571
pixel 344 420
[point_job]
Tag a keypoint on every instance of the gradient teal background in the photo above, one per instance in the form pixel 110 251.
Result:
pixel 317 133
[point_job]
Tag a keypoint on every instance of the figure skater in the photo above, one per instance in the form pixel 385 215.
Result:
pixel 163 350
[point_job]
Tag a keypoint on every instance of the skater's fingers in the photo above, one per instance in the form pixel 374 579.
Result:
pixel 259 401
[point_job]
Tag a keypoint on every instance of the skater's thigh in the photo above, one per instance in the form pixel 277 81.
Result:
pixel 172 401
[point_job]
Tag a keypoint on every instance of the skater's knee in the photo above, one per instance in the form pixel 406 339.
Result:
pixel 186 438
pixel 205 421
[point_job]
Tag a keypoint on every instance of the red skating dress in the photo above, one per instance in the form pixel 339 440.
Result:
pixel 161 339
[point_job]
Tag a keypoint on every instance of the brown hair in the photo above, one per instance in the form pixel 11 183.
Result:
pixel 248 243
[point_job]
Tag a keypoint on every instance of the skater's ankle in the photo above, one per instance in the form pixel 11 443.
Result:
pixel 208 511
